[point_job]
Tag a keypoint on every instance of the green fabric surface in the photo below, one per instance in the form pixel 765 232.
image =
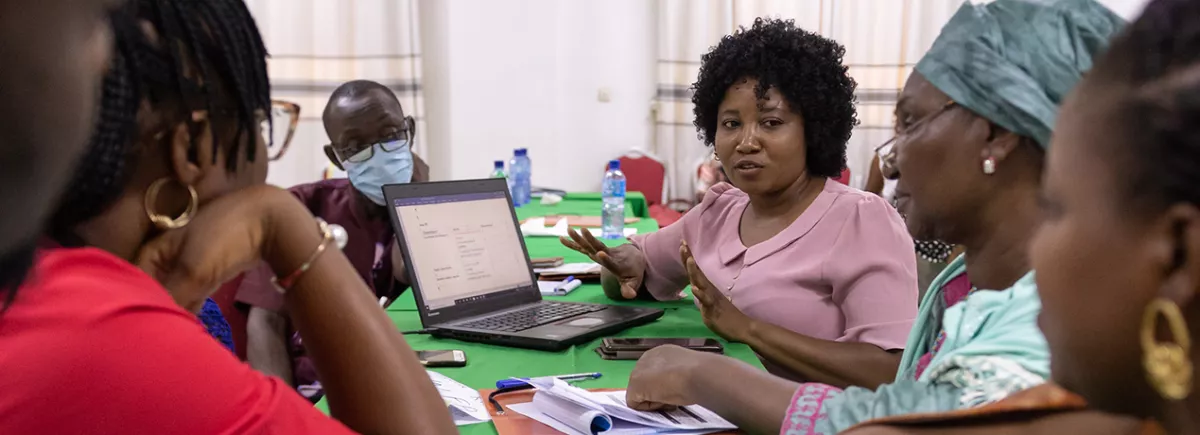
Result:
pixel 634 202
pixel 487 364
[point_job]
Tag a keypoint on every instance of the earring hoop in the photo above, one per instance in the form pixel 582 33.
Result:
pixel 162 221
pixel 989 166
pixel 716 157
pixel 1168 365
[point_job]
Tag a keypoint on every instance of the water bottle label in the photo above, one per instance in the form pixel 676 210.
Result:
pixel 614 188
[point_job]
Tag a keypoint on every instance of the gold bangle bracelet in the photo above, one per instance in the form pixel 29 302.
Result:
pixel 284 284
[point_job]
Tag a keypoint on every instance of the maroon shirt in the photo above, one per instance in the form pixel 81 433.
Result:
pixel 368 248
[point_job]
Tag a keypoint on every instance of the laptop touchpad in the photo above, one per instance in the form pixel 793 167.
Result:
pixel 583 322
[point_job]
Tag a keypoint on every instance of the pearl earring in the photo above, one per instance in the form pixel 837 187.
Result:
pixel 989 166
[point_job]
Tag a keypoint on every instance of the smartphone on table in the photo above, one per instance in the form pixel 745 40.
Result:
pixel 633 348
pixel 442 358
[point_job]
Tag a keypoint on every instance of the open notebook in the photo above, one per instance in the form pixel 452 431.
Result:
pixel 575 411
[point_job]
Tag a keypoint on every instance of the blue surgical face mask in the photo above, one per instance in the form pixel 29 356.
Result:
pixel 394 167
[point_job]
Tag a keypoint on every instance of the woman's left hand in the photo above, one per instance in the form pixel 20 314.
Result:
pixel 720 315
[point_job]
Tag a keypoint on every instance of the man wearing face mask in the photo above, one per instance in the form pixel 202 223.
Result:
pixel 371 139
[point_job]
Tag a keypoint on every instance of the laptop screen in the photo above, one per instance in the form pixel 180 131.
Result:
pixel 463 247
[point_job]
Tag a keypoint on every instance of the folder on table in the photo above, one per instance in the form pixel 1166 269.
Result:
pixel 557 407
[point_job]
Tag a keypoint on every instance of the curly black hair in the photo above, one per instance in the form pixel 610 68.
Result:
pixel 804 67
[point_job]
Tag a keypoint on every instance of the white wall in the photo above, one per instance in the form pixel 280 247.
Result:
pixel 526 73
pixel 1126 8
pixel 500 74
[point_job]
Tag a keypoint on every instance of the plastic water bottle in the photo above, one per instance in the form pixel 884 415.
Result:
pixel 498 169
pixel 519 174
pixel 612 190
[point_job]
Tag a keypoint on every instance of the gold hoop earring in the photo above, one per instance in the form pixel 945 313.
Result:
pixel 1168 365
pixel 162 221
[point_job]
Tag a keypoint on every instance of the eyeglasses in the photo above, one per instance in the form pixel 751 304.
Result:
pixel 284 115
pixel 357 153
pixel 889 159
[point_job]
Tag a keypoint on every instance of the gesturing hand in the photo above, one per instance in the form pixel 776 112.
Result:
pixel 719 313
pixel 624 262
pixel 227 236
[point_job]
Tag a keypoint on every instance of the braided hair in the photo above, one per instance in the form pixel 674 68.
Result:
pixel 200 54
pixel 1156 63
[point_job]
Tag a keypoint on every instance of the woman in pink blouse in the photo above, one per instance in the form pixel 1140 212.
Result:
pixel 817 277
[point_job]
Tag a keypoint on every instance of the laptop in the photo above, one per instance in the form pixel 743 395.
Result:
pixel 471 274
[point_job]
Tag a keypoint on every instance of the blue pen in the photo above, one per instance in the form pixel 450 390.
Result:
pixel 565 286
pixel 513 382
pixel 565 282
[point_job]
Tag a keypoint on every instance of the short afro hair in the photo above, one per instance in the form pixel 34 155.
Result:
pixel 804 67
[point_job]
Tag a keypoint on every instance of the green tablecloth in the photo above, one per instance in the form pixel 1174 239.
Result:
pixel 486 363
pixel 635 204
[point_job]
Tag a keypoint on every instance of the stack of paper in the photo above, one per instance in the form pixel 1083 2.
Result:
pixel 575 411
pixel 464 402
pixel 537 227
pixel 588 268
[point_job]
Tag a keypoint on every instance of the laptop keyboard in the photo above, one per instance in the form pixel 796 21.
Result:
pixel 538 315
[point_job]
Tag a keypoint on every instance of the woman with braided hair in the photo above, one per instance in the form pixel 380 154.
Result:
pixel 168 202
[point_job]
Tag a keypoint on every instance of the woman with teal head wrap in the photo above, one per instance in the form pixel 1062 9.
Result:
pixel 973 120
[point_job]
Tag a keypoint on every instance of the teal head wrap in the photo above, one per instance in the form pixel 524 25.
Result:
pixel 1014 61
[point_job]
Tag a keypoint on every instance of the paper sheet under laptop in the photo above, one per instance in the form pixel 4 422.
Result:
pixel 575 411
pixel 569 269
pixel 537 227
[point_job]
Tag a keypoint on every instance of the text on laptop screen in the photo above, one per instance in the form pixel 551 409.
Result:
pixel 463 247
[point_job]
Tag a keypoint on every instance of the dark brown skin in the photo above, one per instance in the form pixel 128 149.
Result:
pixel 945 195
pixel 942 158
pixel 357 122
pixel 361 120
pixel 874 177
pixel 371 376
pixel 754 400
pixel 1102 256
pixel 760 144
pixel 48 90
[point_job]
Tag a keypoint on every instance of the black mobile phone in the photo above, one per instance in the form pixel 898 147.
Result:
pixel 614 345
pixel 442 358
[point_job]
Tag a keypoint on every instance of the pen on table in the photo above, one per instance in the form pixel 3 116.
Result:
pixel 512 382
pixel 567 285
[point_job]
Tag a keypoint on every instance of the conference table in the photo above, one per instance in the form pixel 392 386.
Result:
pixel 488 363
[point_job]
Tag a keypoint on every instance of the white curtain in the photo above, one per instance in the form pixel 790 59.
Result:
pixel 883 40
pixel 316 45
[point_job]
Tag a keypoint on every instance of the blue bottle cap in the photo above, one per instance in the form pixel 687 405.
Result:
pixel 520 151
pixel 499 164
pixel 614 164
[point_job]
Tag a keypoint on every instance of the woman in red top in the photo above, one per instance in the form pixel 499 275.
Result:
pixel 173 182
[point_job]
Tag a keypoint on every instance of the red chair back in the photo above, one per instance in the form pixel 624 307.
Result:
pixel 845 177
pixel 646 175
pixel 225 297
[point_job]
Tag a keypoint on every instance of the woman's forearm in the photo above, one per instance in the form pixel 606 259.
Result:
pixel 752 399
pixel 828 362
pixel 371 377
